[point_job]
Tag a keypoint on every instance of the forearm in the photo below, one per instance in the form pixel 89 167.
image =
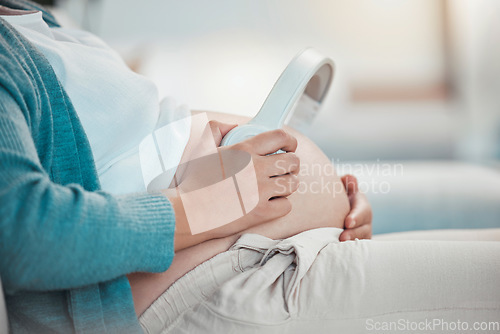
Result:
pixel 57 236
pixel 67 237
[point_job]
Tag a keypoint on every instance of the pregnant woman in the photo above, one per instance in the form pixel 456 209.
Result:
pixel 83 247
pixel 65 245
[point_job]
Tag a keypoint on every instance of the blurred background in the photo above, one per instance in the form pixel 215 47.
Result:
pixel 417 84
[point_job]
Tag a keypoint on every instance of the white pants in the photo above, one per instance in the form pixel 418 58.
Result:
pixel 311 283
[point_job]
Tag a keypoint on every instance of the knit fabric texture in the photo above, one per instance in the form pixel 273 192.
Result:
pixel 65 246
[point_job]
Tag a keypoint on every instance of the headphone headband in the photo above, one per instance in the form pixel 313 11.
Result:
pixel 308 75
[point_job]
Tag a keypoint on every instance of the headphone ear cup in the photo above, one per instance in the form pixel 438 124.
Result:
pixel 242 133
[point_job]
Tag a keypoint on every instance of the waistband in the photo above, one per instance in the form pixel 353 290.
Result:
pixel 249 251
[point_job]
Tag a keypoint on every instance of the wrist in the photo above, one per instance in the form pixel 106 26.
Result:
pixel 183 238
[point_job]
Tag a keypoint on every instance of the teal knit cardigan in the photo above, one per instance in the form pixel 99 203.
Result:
pixel 65 246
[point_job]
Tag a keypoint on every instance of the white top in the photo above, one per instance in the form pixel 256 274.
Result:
pixel 117 107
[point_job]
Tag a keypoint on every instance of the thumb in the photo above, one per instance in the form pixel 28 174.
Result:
pixel 219 130
pixel 350 183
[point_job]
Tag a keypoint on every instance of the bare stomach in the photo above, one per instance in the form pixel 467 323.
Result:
pixel 320 201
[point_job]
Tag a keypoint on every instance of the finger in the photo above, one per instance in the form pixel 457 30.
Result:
pixel 272 141
pixel 219 130
pixel 362 232
pixel 350 184
pixel 282 163
pixel 361 212
pixel 282 186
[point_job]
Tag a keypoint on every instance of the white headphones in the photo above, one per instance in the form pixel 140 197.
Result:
pixel 300 90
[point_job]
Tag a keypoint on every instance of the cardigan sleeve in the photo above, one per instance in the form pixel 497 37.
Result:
pixel 60 237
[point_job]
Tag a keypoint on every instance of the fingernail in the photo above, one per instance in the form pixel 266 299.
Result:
pixel 347 238
pixel 351 224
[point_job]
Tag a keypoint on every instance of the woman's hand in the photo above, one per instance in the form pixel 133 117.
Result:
pixel 358 223
pixel 277 174
pixel 272 178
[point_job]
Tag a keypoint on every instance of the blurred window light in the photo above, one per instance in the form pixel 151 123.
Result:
pixel 398 50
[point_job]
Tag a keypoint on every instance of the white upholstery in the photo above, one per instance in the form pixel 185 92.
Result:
pixel 482 234
pixel 427 195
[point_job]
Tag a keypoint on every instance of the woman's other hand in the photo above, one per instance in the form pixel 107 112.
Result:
pixel 358 223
